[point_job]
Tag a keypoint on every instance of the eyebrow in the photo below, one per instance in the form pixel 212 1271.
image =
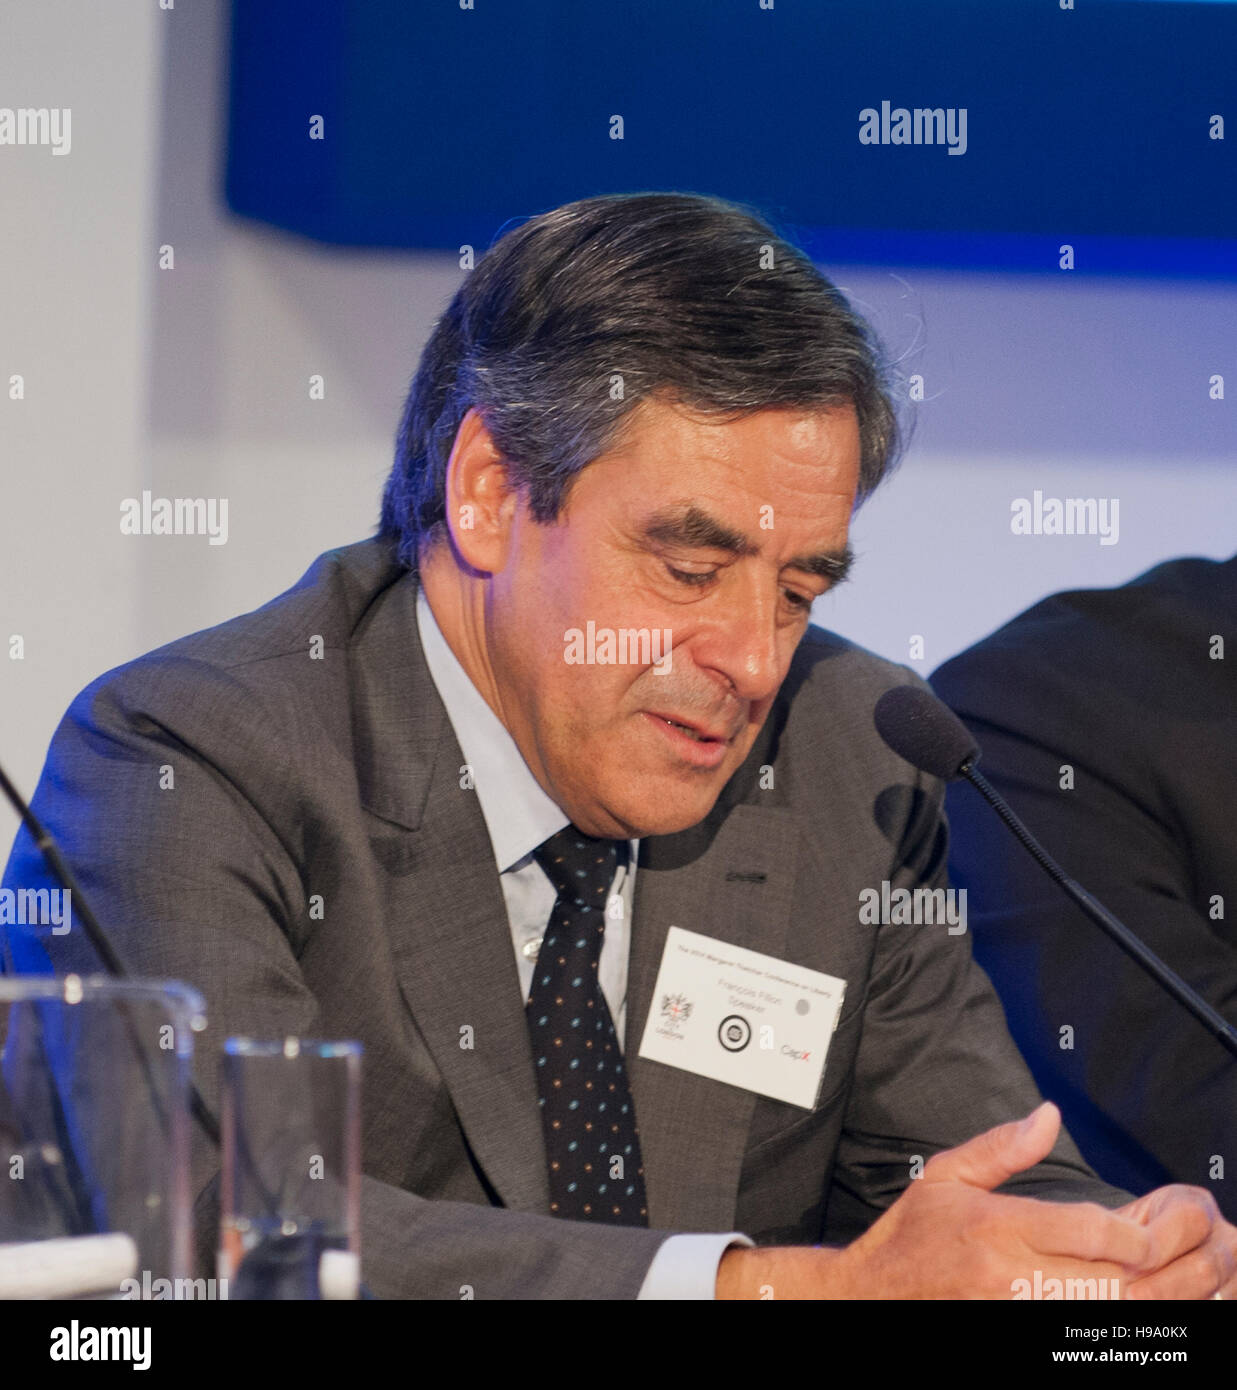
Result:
pixel 694 528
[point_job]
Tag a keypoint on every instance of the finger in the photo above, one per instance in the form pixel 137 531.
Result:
pixel 994 1156
pixel 1199 1274
pixel 1141 1209
pixel 1083 1231
pixel 1183 1221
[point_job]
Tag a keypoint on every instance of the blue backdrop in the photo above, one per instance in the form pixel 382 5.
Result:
pixel 1088 126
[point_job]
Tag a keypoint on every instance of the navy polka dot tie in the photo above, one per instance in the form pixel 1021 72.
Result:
pixel 592 1144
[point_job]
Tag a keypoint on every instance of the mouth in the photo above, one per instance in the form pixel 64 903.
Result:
pixel 697 731
pixel 693 744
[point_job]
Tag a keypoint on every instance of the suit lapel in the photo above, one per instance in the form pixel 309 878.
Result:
pixel 445 913
pixel 733 879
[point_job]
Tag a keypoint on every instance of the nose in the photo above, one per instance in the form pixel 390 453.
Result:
pixel 744 643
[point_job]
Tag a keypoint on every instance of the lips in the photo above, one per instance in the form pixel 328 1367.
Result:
pixel 699 732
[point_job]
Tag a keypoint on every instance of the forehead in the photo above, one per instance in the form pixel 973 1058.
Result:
pixel 672 447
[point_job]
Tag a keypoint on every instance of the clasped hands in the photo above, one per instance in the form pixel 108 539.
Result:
pixel 950 1235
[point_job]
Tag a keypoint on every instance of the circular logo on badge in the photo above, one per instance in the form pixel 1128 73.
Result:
pixel 734 1033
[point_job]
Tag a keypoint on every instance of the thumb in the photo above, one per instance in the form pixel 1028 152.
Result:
pixel 994 1156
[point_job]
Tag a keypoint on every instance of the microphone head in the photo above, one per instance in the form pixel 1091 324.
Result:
pixel 927 733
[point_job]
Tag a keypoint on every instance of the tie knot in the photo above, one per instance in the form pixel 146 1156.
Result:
pixel 580 867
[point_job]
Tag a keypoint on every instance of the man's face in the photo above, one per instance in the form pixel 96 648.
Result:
pixel 720 534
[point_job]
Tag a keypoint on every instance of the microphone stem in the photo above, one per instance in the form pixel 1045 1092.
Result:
pixel 204 1116
pixel 1218 1026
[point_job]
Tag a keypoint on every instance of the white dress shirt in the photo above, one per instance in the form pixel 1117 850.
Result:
pixel 520 816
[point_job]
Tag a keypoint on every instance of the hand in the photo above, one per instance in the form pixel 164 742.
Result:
pixel 1193 1249
pixel 950 1236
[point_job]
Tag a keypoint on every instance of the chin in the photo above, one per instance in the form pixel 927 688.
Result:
pixel 668 823
pixel 665 811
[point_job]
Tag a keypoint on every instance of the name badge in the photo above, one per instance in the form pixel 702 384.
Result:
pixel 734 1015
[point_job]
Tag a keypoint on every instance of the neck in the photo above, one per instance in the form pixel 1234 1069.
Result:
pixel 456 597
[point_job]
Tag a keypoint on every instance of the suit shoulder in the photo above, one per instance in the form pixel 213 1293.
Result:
pixel 830 694
pixel 1134 641
pixel 828 665
pixel 244 654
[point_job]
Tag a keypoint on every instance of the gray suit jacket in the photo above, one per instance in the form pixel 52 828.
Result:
pixel 340 777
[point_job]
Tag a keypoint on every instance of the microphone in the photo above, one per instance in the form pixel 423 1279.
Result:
pixel 924 732
pixel 929 735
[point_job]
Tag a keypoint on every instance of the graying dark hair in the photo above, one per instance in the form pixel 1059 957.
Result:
pixel 666 290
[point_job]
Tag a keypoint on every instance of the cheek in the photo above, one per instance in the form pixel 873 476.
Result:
pixel 592 696
pixel 569 703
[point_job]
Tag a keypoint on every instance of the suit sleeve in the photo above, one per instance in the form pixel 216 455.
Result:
pixel 936 1064
pixel 1150 1096
pixel 193 884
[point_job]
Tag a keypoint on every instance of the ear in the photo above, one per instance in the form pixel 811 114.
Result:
pixel 480 499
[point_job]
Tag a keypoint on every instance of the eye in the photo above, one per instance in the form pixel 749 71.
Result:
pixel 690 576
pixel 798 601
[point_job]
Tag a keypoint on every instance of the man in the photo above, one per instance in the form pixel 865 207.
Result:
pixel 405 796
pixel 1109 719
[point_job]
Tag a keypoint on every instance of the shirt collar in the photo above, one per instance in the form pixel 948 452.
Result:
pixel 518 814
